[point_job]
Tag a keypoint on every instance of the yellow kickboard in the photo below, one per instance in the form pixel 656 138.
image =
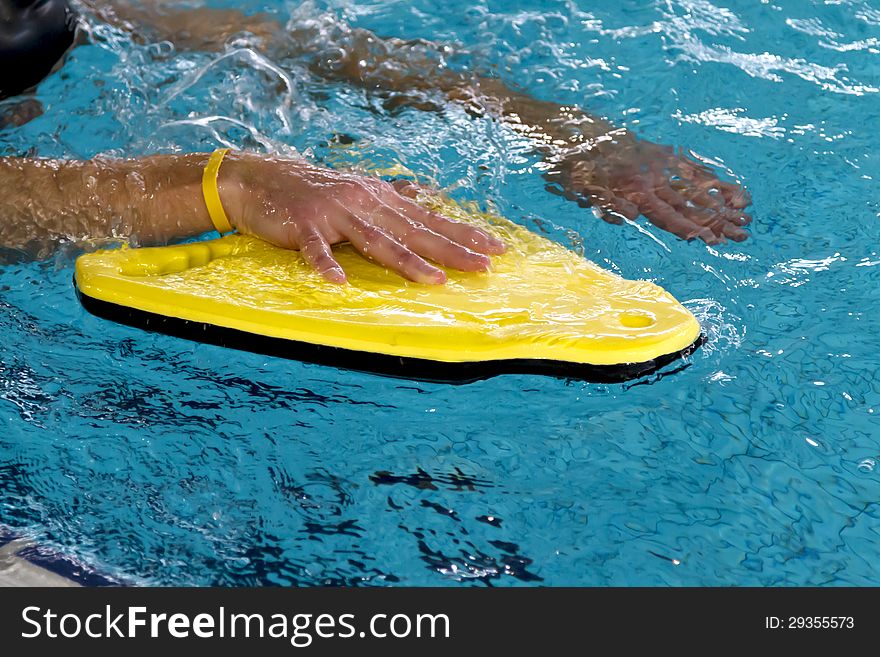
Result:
pixel 539 302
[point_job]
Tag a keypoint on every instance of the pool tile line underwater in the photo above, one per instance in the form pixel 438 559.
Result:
pixel 24 563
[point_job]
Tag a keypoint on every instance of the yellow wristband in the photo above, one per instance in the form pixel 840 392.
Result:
pixel 212 193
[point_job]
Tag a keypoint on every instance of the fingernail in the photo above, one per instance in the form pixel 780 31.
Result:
pixel 497 246
pixel 335 275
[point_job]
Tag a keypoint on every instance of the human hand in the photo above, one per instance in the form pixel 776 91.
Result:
pixel 298 205
pixel 629 177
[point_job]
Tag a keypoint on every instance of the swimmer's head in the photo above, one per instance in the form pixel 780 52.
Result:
pixel 34 35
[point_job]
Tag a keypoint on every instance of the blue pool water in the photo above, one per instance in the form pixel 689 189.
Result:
pixel 153 460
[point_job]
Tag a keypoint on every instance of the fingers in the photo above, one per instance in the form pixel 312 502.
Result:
pixel 699 193
pixel 316 251
pixel 665 216
pixel 464 234
pixel 627 208
pixel 403 226
pixel 429 244
pixel 719 222
pixel 374 243
pixel 700 197
pixel 743 219
pixel 310 208
pixel 702 181
pixel 407 188
pixel 668 195
pixel 611 206
pixel 710 210
pixel 711 192
pixel 730 227
pixel 392 240
pixel 676 193
pixel 737 197
pixel 713 218
pixel 401 237
pixel 470 236
pixel 700 177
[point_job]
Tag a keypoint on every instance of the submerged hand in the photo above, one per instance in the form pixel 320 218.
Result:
pixel 673 191
pixel 298 205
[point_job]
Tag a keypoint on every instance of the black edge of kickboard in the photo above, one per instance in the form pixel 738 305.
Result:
pixel 394 366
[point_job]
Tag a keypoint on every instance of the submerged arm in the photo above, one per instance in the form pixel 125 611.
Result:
pixel 201 28
pixel 356 56
pixel 589 160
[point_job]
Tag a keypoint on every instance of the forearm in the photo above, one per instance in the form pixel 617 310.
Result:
pixel 413 69
pixel 201 28
pixel 362 58
pixel 556 129
pixel 154 199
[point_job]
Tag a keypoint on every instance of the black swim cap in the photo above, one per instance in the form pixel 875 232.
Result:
pixel 34 34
